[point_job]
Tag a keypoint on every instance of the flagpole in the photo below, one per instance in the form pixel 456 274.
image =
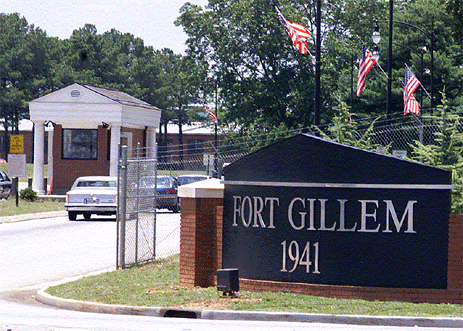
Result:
pixel 316 113
pixel 389 64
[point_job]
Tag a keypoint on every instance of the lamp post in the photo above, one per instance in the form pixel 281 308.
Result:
pixel 376 38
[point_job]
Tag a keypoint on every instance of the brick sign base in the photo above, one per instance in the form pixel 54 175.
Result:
pixel 201 252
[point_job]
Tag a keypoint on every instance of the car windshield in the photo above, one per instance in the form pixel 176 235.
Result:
pixel 148 182
pixel 163 181
pixel 96 183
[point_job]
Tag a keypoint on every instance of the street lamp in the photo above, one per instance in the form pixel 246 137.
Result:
pixel 375 53
pixel 376 35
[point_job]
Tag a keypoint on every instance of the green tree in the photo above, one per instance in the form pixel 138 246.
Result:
pixel 264 82
pixel 24 68
pixel 447 150
pixel 345 130
pixel 179 81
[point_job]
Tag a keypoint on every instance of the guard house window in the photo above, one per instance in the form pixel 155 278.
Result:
pixel 195 146
pixel 80 144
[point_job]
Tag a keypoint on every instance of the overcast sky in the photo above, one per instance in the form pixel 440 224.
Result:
pixel 150 20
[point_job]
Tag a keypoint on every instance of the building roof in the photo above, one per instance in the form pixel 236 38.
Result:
pixel 193 128
pixel 118 96
pixel 86 106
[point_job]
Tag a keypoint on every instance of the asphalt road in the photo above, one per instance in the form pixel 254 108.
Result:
pixel 37 253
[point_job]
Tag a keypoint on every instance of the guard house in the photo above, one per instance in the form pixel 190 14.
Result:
pixel 88 124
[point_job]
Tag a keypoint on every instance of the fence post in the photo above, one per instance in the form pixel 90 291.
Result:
pixel 155 213
pixel 122 187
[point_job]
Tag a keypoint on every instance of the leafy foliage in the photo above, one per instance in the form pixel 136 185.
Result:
pixel 345 130
pixel 447 150
pixel 243 58
pixel 28 194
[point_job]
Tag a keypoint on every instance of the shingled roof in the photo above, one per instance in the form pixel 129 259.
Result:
pixel 118 96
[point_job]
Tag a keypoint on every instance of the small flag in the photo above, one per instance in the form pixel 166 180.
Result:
pixel 410 86
pixel 412 106
pixel 367 61
pixel 212 116
pixel 297 32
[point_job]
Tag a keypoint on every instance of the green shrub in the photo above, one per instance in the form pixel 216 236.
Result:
pixel 28 194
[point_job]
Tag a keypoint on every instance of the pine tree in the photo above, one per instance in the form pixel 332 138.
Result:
pixel 345 130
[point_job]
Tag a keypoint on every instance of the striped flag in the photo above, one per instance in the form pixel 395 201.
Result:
pixel 297 32
pixel 212 116
pixel 410 86
pixel 412 106
pixel 367 61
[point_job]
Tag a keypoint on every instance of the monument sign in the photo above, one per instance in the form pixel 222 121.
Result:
pixel 313 211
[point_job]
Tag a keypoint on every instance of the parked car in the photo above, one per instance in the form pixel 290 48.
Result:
pixel 188 179
pixel 166 191
pixel 6 185
pixel 92 195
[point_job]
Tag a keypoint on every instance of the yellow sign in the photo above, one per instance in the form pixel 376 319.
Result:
pixel 16 144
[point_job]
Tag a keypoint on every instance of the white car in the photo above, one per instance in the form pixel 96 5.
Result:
pixel 92 195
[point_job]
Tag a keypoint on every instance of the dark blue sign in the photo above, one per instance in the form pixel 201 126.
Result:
pixel 312 211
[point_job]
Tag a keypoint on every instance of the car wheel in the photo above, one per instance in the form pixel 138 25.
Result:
pixel 176 208
pixel 87 216
pixel 72 215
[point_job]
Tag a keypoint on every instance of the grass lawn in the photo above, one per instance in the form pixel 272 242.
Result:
pixel 8 207
pixel 156 284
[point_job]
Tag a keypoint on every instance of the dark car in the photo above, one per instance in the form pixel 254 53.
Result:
pixel 5 185
pixel 166 191
pixel 188 179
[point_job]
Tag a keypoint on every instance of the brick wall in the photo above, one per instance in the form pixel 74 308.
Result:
pixel 201 256
pixel 65 172
pixel 198 241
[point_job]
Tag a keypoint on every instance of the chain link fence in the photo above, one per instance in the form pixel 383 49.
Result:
pixel 146 233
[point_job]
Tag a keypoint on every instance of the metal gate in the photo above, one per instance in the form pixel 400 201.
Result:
pixel 136 215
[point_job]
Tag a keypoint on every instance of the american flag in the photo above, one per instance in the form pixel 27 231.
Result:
pixel 297 32
pixel 367 61
pixel 410 86
pixel 412 106
pixel 212 116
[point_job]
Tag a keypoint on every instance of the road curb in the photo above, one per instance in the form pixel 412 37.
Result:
pixel 94 307
pixel 28 217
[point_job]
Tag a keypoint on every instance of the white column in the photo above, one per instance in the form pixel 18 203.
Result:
pixel 114 152
pixel 50 157
pixel 151 142
pixel 39 155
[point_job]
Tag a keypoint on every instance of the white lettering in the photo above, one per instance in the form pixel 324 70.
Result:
pixel 364 216
pixel 323 215
pixel 258 208
pixel 398 225
pixel 272 210
pixel 342 217
pixel 290 214
pixel 243 205
pixel 236 208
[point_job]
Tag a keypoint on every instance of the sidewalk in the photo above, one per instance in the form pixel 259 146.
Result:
pixel 28 217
